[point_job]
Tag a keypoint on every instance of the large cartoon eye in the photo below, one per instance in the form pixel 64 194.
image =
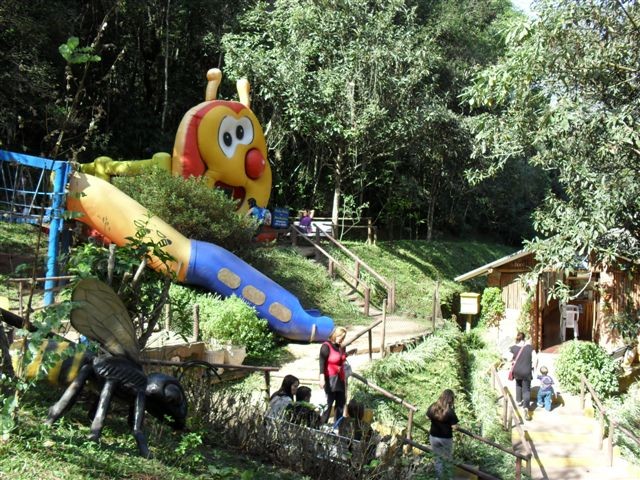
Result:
pixel 233 132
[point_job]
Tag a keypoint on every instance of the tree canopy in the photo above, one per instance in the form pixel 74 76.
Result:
pixel 360 100
pixel 565 97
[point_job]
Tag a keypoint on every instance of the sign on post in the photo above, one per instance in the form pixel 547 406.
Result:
pixel 280 218
pixel 470 303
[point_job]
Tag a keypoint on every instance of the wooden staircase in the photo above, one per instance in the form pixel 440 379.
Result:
pixel 566 442
pixel 359 289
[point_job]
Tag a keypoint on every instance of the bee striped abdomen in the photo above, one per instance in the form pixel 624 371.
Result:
pixel 62 372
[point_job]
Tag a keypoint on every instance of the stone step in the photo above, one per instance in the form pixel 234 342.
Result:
pixel 594 472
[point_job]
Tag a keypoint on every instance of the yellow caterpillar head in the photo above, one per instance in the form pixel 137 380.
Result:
pixel 224 142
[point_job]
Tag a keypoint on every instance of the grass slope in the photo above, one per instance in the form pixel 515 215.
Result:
pixel 62 451
pixel 416 266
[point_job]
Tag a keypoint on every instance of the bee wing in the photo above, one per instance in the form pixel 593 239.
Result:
pixel 100 315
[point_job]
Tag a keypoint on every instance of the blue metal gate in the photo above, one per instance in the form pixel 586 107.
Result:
pixel 32 190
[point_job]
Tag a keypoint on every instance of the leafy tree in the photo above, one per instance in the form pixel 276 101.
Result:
pixel 358 96
pixel 338 78
pixel 565 97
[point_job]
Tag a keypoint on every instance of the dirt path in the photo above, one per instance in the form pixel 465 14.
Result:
pixel 305 365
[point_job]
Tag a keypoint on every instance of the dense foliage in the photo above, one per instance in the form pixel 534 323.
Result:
pixel 591 360
pixel 192 208
pixel 493 308
pixel 447 359
pixel 232 320
pixel 565 99
pixel 381 133
pixel 382 128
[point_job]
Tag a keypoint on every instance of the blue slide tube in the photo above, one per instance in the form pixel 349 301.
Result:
pixel 216 269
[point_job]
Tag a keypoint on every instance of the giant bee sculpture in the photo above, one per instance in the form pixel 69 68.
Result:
pixel 100 315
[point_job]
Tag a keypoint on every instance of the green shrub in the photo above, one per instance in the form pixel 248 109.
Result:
pixel 182 299
pixel 493 308
pixel 191 207
pixel 232 320
pixel 578 357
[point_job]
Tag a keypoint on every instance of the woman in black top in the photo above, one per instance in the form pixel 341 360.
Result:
pixel 524 364
pixel 443 418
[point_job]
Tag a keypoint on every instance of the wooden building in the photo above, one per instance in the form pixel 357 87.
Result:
pixel 598 294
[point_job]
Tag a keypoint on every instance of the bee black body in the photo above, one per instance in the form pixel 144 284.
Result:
pixel 110 374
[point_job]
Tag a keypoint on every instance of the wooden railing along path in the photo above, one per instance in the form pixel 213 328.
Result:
pixel 607 424
pixel 509 413
pixel 352 278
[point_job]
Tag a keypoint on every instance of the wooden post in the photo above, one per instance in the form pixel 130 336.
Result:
pixel 369 231
pixel 518 468
pixel 392 305
pixel 505 407
pixel 167 315
pixel 294 236
pixel 20 301
pixel 384 328
pixel 267 383
pixel 367 300
pixel 111 263
pixel 610 442
pixel 196 323
pixel 370 345
pixel 601 436
pixel 409 423
pixel 331 269
pixel 357 273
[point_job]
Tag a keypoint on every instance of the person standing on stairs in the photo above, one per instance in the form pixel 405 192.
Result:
pixel 524 363
pixel 443 421
pixel 332 375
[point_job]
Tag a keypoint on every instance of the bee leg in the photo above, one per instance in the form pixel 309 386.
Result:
pixel 103 408
pixel 70 395
pixel 138 419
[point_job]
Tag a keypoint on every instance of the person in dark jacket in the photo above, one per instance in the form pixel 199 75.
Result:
pixel 522 372
pixel 302 411
pixel 443 420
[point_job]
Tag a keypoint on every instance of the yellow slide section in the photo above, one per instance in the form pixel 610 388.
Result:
pixel 114 214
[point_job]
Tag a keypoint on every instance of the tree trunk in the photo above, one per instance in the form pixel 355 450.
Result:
pixel 337 192
pixel 166 69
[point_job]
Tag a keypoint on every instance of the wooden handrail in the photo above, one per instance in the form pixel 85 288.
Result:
pixel 384 392
pixel 265 370
pixel 510 451
pixel 41 279
pixel 462 466
pixel 604 416
pixel 362 332
pixel 389 287
pixel 411 408
pixel 509 407
pixel 252 368
pixel 358 260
